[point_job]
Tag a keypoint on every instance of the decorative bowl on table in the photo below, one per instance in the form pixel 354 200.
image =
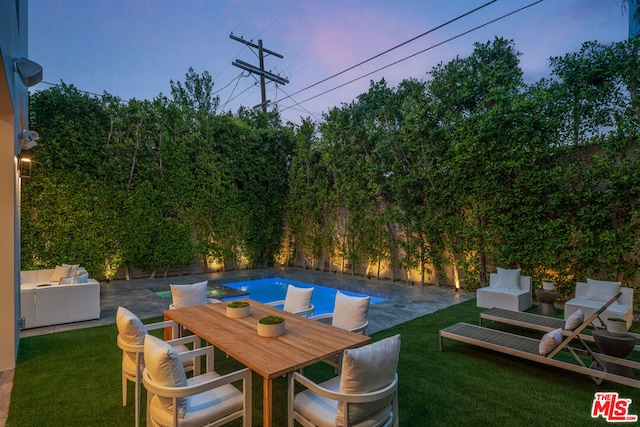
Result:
pixel 271 326
pixel 238 309
pixel 616 326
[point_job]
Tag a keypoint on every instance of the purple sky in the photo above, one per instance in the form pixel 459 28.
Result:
pixel 133 48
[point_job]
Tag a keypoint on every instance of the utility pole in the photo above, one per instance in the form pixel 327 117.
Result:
pixel 259 71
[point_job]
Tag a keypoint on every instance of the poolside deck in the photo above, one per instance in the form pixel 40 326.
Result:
pixel 403 302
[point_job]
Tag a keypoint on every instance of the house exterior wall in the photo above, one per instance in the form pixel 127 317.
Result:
pixel 13 117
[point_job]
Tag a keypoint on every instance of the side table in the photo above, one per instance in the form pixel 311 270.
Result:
pixel 616 346
pixel 546 300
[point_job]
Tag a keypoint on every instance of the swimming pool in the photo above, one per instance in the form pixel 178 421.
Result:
pixel 274 289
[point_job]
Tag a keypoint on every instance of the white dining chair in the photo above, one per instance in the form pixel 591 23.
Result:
pixel 365 393
pixel 131 334
pixel 297 301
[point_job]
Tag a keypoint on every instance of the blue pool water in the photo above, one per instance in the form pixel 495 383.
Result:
pixel 274 289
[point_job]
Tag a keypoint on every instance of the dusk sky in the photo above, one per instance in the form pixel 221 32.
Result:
pixel 134 48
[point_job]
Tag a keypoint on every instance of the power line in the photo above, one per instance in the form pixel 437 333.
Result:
pixel 412 55
pixel 396 47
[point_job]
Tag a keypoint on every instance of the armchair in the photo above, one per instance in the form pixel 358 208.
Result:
pixel 131 334
pixel 297 301
pixel 507 289
pixel 208 399
pixel 593 294
pixel 365 392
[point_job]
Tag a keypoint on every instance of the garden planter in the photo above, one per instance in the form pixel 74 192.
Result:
pixel 271 326
pixel 236 310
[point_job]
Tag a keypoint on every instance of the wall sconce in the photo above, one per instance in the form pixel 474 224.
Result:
pixel 25 166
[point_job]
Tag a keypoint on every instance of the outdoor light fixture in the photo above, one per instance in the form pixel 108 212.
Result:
pixel 24 166
pixel 30 72
pixel 29 137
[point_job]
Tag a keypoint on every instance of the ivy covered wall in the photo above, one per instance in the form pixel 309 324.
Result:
pixel 435 181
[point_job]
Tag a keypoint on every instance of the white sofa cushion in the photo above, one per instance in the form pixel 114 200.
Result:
pixel 350 312
pixel 508 278
pixel 189 295
pixel 73 269
pixel 600 290
pixel 164 366
pixel 297 299
pixel 366 369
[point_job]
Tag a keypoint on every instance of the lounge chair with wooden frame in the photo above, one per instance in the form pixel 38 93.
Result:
pixel 532 321
pixel 529 349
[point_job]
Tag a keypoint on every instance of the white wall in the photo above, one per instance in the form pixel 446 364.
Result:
pixel 13 116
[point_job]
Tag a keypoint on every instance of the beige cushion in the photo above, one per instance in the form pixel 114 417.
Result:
pixel 600 290
pixel 508 278
pixel 297 299
pixel 66 280
pixel 73 269
pixel 350 312
pixel 549 341
pixel 574 320
pixel 130 327
pixel 189 295
pixel 366 369
pixel 165 368
pixel 59 272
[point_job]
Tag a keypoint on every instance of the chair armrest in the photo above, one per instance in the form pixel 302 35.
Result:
pixel 199 384
pixel 175 327
pixel 309 310
pixel 346 397
pixel 322 316
pixel 191 339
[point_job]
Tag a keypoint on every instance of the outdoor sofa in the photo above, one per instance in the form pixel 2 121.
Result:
pixel 56 296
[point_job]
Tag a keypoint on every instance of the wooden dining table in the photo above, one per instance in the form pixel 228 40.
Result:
pixel 304 343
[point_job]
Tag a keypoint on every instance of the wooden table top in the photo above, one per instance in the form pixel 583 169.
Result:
pixel 304 343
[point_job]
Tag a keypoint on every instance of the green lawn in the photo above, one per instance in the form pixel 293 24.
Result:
pixel 73 379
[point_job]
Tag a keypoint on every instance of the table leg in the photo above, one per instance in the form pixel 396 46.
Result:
pixel 267 402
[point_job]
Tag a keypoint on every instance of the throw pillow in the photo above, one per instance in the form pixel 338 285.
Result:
pixel 297 299
pixel 549 341
pixel 66 280
pixel 508 278
pixel 367 369
pixel 59 272
pixel 81 278
pixel 575 320
pixel 164 366
pixel 189 295
pixel 600 290
pixel 73 269
pixel 350 312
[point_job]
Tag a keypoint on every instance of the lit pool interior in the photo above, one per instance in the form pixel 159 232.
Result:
pixel 274 289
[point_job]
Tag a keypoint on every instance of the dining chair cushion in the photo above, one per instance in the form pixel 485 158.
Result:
pixel 508 278
pixel 366 369
pixel 350 312
pixel 601 290
pixel 189 295
pixel 549 341
pixel 297 299
pixel 130 327
pixel 574 320
pixel 164 367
